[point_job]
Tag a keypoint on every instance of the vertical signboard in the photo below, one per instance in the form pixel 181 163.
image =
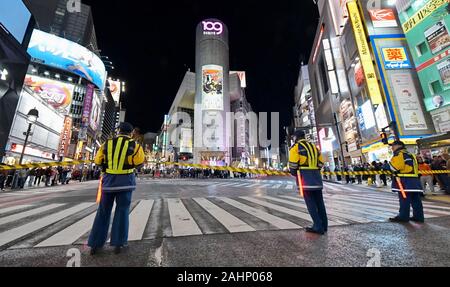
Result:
pixel 65 137
pixel 364 54
pixel 87 107
pixel 408 102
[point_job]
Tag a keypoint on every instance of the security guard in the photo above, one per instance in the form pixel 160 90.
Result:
pixel 306 158
pixel 406 180
pixel 119 157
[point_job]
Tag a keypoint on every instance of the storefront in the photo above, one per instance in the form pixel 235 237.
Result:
pixel 426 27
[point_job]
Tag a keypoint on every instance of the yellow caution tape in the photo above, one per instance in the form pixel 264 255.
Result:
pixel 219 168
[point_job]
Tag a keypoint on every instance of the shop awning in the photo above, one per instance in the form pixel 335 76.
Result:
pixel 437 141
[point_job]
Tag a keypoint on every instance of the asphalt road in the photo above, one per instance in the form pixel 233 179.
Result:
pixel 223 223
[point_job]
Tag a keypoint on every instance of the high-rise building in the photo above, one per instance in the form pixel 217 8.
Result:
pixel 212 136
pixel 54 16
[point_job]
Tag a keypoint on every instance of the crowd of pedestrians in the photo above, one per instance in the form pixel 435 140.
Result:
pixel 49 176
pixel 431 184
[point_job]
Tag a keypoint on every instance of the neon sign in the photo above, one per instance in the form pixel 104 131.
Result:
pixel 212 28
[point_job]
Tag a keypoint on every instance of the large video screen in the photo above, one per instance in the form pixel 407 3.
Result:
pixel 67 55
pixel 15 16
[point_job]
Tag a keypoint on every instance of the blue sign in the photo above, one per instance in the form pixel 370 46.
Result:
pixel 61 53
pixel 395 58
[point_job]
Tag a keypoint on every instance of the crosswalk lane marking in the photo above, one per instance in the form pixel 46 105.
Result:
pixel 395 199
pixel 21 231
pixel 386 204
pixel 229 221
pixel 138 219
pixel 373 206
pixel 290 186
pixel 28 213
pixel 13 208
pixel 181 220
pixel 332 212
pixel 292 212
pixel 269 218
pixel 70 234
pixel 366 207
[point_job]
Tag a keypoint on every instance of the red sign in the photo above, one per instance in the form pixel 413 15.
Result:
pixel 65 137
pixel 382 18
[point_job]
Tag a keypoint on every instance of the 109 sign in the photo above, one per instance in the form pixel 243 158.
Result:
pixel 212 28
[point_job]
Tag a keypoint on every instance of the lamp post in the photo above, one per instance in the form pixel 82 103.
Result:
pixel 32 117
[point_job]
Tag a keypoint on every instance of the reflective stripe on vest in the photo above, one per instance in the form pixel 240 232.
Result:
pixel 312 154
pixel 116 159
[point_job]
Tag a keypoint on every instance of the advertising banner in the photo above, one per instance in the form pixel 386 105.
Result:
pixel 408 102
pixel 349 124
pixel 212 87
pixel 65 137
pixel 437 37
pixel 395 58
pixel 115 88
pixel 86 116
pixel 56 94
pixel 444 71
pixel 66 55
pixel 186 140
pixel 422 14
pixel 94 119
pixel 364 53
pixel 383 18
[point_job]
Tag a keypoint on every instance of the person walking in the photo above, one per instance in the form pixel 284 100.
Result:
pixel 3 175
pixel 305 162
pixel 406 183
pixel 425 179
pixel 119 157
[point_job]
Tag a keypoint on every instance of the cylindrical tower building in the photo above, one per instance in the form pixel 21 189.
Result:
pixel 212 97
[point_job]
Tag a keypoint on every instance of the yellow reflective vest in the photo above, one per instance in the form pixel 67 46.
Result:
pixel 306 157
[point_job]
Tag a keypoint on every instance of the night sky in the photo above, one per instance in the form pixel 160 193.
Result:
pixel 152 44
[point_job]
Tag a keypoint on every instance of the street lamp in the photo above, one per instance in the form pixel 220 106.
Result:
pixel 32 117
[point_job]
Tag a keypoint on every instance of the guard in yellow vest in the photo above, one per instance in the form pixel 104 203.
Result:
pixel 119 158
pixel 306 158
pixel 406 182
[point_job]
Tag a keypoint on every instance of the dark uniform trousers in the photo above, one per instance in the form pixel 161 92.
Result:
pixel 119 230
pixel 414 200
pixel 316 208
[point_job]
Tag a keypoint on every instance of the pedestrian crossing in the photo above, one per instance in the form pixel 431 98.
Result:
pixel 239 183
pixel 58 224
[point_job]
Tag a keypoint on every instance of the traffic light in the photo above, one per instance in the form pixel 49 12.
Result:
pixel 384 138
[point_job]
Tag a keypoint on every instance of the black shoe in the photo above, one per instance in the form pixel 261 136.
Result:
pixel 416 220
pixel 118 249
pixel 398 219
pixel 311 230
pixel 93 251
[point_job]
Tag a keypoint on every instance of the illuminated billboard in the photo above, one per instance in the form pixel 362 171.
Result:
pixel 212 87
pixel 364 54
pixel 94 120
pixel 115 88
pixel 63 54
pixel 56 94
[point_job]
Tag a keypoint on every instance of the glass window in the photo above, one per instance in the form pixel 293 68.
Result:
pixel 421 49
pixel 435 87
